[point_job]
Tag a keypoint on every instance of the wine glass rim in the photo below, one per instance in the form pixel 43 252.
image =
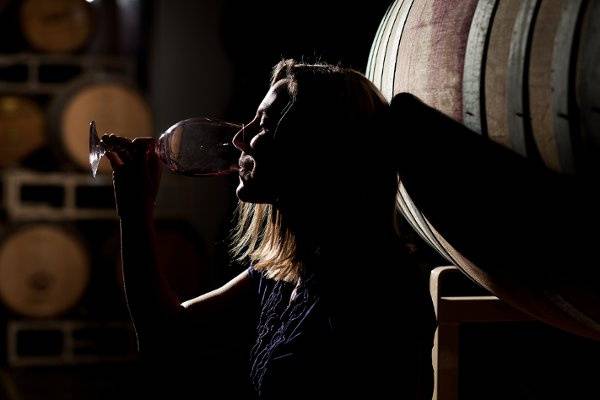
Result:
pixel 200 120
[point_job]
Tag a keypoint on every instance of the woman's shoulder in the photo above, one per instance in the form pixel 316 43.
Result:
pixel 254 274
pixel 264 284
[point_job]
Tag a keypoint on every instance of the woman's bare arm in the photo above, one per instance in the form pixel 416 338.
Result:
pixel 225 317
pixel 225 297
pixel 218 318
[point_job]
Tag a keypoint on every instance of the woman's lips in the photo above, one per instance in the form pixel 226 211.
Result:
pixel 246 164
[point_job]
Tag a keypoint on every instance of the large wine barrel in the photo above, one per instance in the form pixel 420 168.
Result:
pixel 21 128
pixel 116 106
pixel 587 81
pixel 522 74
pixel 508 69
pixel 44 270
pixel 496 75
pixel 541 85
pixel 57 25
pixel 522 231
pixel 421 50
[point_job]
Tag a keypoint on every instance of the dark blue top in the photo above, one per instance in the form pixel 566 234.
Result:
pixel 342 339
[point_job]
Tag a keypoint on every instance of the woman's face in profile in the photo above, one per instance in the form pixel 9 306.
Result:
pixel 259 169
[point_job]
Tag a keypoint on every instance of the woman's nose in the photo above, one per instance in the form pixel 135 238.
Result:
pixel 241 140
pixel 238 139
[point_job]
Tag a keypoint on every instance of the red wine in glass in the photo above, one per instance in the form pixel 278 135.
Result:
pixel 193 147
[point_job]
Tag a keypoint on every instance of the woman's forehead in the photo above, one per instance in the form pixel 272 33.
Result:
pixel 276 98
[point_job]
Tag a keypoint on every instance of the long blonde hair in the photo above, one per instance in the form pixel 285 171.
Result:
pixel 268 235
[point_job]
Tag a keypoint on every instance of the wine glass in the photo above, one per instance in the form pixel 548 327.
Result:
pixel 193 147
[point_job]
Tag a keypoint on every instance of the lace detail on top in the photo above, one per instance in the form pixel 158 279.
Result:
pixel 280 324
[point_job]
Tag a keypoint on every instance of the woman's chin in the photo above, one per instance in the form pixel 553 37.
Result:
pixel 244 192
pixel 249 193
pixel 240 191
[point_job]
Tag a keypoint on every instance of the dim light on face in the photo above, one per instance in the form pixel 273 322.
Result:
pixel 258 163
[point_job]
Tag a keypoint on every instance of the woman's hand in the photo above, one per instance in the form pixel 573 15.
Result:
pixel 136 174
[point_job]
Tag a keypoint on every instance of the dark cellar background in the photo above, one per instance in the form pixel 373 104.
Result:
pixel 208 58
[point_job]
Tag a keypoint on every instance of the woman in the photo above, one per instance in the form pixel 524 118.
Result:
pixel 329 304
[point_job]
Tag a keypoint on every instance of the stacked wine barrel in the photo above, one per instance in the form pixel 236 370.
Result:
pixel 519 75
pixel 49 27
pixel 63 74
pixel 115 105
pixel 57 26
pixel 44 270
pixel 59 69
pixel 22 126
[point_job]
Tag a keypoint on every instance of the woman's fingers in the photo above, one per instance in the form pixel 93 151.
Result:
pixel 143 145
pixel 123 151
pixel 143 141
pixel 136 173
pixel 115 140
pixel 118 142
pixel 115 161
pixel 119 146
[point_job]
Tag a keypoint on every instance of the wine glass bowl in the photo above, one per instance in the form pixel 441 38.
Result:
pixel 199 147
pixel 194 147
